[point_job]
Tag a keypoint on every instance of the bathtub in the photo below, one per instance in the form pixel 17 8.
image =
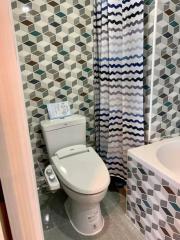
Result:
pixel 153 196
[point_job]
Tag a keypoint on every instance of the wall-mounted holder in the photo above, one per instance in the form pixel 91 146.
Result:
pixel 58 110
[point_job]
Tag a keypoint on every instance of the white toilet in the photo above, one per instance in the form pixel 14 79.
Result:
pixel 81 172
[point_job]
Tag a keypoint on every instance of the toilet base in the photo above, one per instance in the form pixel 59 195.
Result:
pixel 86 219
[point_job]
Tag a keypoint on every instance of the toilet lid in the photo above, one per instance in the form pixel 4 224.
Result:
pixel 81 169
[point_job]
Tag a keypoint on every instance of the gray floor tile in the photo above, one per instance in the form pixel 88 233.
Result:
pixel 117 225
pixel 68 233
pixel 52 205
pixel 52 234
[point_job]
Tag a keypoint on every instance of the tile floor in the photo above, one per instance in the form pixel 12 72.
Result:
pixel 117 224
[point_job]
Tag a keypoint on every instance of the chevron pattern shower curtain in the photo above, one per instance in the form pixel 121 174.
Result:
pixel 118 70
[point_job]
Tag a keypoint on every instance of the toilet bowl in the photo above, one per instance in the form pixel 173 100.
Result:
pixel 84 211
pixel 85 178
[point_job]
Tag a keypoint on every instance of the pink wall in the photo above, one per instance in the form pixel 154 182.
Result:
pixel 16 163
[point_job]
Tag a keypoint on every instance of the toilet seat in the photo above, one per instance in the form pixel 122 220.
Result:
pixel 81 169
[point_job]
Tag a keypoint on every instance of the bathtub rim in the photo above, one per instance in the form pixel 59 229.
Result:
pixel 147 156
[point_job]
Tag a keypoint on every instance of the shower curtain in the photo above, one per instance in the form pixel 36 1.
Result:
pixel 118 80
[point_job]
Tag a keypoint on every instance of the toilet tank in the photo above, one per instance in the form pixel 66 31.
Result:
pixel 60 133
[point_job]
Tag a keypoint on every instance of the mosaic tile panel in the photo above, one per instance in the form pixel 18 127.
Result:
pixel 165 119
pixel 153 204
pixel 54 40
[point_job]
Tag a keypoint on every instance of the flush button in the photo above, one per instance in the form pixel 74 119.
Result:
pixel 52 177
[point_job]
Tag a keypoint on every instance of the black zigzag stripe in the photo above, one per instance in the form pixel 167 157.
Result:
pixel 133 15
pixel 100 78
pixel 111 72
pixel 136 4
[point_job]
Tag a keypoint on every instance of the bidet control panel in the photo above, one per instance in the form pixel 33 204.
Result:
pixel 51 178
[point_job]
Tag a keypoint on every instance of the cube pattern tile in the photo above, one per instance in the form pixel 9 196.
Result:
pixel 153 204
pixel 165 118
pixel 54 41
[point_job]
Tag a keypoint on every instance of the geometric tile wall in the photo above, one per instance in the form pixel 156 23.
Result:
pixel 55 45
pixel 165 119
pixel 153 204
pixel 161 89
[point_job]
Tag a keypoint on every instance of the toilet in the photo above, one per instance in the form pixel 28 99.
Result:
pixel 80 171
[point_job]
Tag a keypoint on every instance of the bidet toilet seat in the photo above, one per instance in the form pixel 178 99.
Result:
pixel 81 172
pixel 81 169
